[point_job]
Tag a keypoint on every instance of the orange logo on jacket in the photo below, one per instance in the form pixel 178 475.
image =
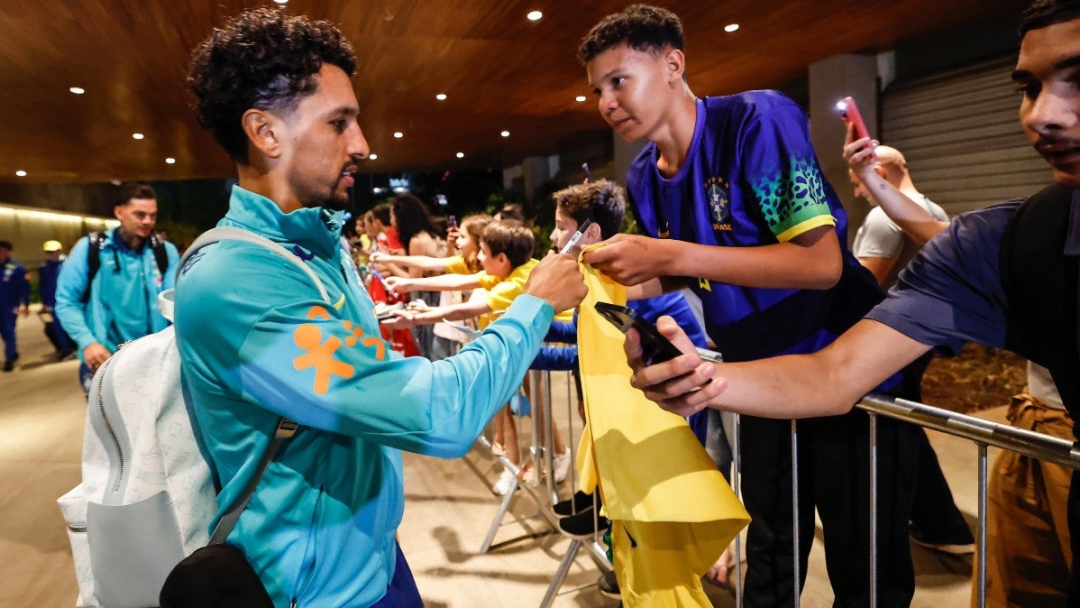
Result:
pixel 320 354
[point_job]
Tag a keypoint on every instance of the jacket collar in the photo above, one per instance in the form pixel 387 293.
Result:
pixel 315 228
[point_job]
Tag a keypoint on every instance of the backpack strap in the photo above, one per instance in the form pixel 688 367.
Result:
pixel 1041 280
pixel 230 233
pixel 286 428
pixel 161 255
pixel 96 240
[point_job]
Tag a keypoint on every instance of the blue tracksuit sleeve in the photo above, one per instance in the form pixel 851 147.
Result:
pixel 300 358
pixel 70 287
pixel 304 368
pixel 24 286
pixel 562 331
pixel 556 358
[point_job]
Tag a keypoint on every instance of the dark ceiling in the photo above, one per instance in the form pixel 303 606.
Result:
pixel 499 71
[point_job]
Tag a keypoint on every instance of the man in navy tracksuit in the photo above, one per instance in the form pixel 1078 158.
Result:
pixel 14 297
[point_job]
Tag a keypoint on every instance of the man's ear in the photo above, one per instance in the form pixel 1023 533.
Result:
pixel 116 211
pixel 881 171
pixel 674 65
pixel 263 131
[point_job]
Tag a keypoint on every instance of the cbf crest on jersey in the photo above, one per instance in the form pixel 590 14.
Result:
pixel 716 192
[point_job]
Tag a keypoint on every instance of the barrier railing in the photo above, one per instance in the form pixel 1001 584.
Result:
pixel 983 433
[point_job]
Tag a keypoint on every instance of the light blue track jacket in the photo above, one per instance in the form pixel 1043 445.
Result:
pixel 123 301
pixel 257 342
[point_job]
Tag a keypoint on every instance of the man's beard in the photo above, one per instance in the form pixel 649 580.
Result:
pixel 328 200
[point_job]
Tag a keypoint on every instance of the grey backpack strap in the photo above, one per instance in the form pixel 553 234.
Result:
pixel 286 428
pixel 230 233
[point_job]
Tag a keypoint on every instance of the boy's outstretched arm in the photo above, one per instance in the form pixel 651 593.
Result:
pixel 446 282
pixel 420 262
pixel 826 383
pixel 810 260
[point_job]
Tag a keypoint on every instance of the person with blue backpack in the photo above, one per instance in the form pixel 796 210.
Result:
pixel 258 342
pixel 107 291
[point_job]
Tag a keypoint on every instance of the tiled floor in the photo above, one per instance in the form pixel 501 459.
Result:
pixel 448 512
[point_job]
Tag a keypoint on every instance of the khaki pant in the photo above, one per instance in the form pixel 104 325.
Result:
pixel 1028 556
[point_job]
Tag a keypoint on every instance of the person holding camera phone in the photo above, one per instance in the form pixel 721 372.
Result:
pixel 729 192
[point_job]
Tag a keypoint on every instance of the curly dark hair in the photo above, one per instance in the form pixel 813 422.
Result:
pixel 263 59
pixel 1044 13
pixel 412 218
pixel 601 201
pixel 644 28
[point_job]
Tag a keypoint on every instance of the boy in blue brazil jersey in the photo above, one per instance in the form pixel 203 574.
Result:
pixel 258 342
pixel 734 204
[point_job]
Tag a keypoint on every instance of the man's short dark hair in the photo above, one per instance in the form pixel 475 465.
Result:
pixel 7 245
pixel 601 201
pixel 1044 13
pixel 131 191
pixel 641 27
pixel 512 238
pixel 264 59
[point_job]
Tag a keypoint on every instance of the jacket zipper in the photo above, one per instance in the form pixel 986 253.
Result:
pixel 109 426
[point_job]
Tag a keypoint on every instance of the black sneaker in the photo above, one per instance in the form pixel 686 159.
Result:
pixel 608 585
pixel 584 526
pixel 579 503
pixel 10 363
pixel 963 542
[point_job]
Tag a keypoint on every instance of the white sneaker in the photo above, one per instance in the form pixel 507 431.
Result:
pixel 502 486
pixel 562 465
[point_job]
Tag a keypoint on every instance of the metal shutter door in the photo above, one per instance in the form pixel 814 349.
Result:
pixel 961 135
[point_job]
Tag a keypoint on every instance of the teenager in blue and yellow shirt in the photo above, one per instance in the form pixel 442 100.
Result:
pixel 257 341
pixel 730 193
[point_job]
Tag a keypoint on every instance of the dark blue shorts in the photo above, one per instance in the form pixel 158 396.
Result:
pixel 402 592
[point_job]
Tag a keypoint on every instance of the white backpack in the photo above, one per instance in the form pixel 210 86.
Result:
pixel 147 496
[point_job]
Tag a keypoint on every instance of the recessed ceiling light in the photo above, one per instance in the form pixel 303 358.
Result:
pixel 535 16
pixel 505 134
pixel 282 1
pixel 399 134
pixel 77 90
pixel 137 135
pixel 373 157
pixel 461 155
pixel 731 27
pixel 20 173
pixel 170 161
pixel 441 97
pixel 579 98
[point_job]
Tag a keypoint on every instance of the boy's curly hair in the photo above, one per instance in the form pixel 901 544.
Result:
pixel 263 59
pixel 644 28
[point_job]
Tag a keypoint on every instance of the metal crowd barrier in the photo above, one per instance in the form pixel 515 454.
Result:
pixel 545 495
pixel 981 432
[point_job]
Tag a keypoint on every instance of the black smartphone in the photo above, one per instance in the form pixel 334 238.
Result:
pixel 655 347
pixel 451 222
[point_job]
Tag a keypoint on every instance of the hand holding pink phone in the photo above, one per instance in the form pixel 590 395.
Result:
pixel 849 112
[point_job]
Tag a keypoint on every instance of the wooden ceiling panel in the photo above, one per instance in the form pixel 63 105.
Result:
pixel 499 70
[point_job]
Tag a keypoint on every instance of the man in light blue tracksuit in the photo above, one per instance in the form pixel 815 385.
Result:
pixel 107 291
pixel 258 342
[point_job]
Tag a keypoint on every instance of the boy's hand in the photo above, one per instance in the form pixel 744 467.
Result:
pixel 378 256
pixel 631 259
pixel 681 386
pixel 558 280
